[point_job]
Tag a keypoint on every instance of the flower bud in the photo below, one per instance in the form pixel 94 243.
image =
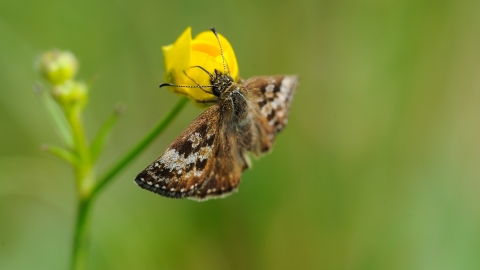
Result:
pixel 70 94
pixel 58 66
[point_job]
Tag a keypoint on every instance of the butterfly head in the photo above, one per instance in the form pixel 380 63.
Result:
pixel 220 82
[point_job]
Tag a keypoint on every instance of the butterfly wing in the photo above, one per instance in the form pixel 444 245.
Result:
pixel 230 161
pixel 186 164
pixel 272 96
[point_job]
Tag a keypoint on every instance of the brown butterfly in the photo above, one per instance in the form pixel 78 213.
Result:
pixel 208 158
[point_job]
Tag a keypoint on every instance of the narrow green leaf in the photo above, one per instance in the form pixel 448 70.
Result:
pixel 99 141
pixel 61 124
pixel 61 153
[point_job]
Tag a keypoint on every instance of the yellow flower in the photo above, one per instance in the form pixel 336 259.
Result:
pixel 202 51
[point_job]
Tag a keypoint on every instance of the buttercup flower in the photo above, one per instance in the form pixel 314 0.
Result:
pixel 202 51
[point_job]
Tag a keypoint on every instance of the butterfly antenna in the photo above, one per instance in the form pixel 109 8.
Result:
pixel 202 68
pixel 221 51
pixel 200 86
pixel 183 86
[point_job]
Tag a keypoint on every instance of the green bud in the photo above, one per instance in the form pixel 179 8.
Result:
pixel 70 94
pixel 58 66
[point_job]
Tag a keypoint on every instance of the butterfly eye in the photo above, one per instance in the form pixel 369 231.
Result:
pixel 215 91
pixel 230 79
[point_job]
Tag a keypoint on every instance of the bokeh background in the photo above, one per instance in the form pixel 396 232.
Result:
pixel 379 167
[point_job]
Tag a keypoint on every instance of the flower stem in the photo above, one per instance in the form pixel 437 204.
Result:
pixel 81 237
pixel 84 167
pixel 85 177
pixel 137 149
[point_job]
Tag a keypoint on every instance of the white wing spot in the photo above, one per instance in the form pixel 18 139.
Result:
pixel 287 84
pixel 274 104
pixel 270 88
pixel 272 122
pixel 266 109
pixel 150 183
pixel 195 138
pixel 280 97
pixel 269 95
pixel 172 189
pixel 157 185
pixel 172 160
pixel 182 190
pixel 164 187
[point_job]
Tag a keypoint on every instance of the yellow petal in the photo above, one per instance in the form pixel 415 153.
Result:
pixel 207 37
pixel 177 56
pixel 201 77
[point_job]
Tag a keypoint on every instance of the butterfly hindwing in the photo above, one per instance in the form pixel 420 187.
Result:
pixel 230 162
pixel 273 96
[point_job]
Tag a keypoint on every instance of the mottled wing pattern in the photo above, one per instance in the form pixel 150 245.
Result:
pixel 230 162
pixel 185 167
pixel 273 95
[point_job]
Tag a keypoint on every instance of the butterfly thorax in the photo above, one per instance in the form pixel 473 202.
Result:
pixel 233 103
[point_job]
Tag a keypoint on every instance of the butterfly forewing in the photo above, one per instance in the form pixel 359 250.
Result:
pixel 187 163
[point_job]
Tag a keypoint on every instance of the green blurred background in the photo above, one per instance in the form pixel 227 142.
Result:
pixel 379 167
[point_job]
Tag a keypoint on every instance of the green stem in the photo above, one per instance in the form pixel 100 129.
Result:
pixel 137 149
pixel 85 177
pixel 84 165
pixel 81 237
